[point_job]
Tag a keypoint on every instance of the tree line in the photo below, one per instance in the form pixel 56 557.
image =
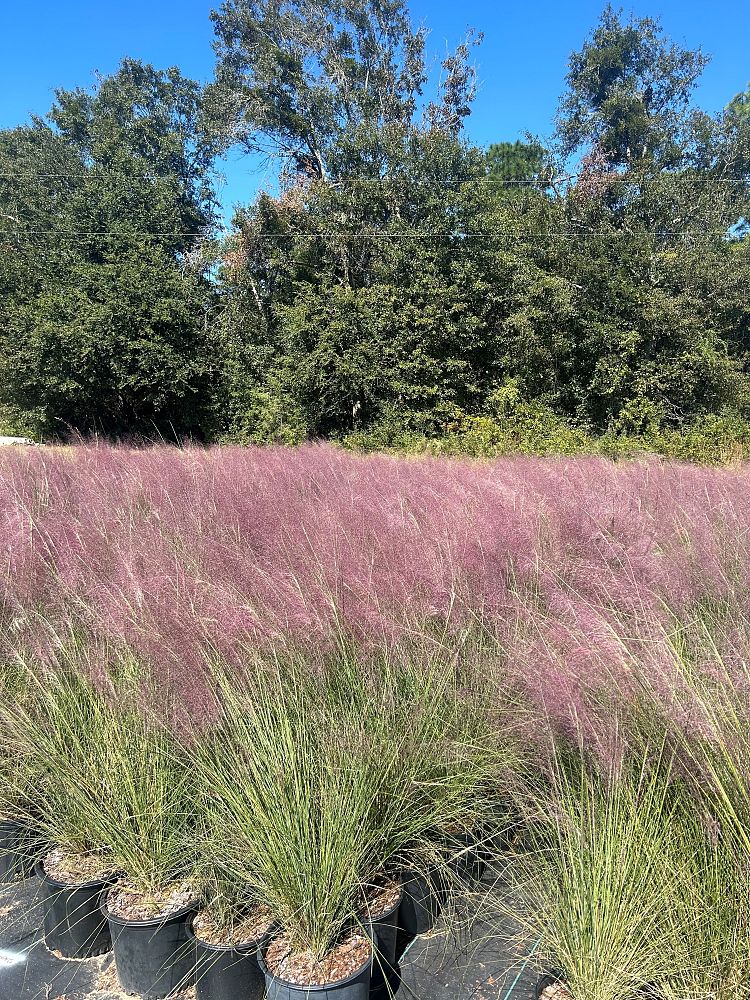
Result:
pixel 398 283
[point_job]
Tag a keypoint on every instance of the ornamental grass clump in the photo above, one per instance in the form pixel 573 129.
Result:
pixel 708 914
pixel 19 784
pixel 283 817
pixel 598 879
pixel 18 775
pixel 113 795
pixel 381 625
pixel 568 565
pixel 708 722
pixel 313 789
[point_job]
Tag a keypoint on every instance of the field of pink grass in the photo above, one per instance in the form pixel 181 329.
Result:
pixel 572 569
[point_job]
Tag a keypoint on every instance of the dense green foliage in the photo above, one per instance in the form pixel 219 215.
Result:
pixel 103 296
pixel 402 287
pixel 416 288
pixel 740 105
pixel 516 164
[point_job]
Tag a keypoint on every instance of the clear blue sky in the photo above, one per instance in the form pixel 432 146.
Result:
pixel 521 63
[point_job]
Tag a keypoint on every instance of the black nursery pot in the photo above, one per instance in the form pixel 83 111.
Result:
pixel 154 958
pixel 385 928
pixel 73 922
pixel 354 987
pixel 385 936
pixel 551 978
pixel 227 972
pixel 466 856
pixel 421 902
pixel 18 848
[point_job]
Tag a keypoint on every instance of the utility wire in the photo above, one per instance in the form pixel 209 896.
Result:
pixel 658 234
pixel 521 181
pixel 93 172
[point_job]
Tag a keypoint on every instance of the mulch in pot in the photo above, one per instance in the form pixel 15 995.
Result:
pixel 153 953
pixel 552 986
pixel 77 868
pixel 380 898
pixel 72 888
pixel 128 903
pixel 251 929
pixel 304 968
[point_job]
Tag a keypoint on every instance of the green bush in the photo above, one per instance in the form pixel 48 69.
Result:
pixel 14 424
pixel 534 429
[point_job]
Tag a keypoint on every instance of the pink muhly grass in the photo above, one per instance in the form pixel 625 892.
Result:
pixel 574 568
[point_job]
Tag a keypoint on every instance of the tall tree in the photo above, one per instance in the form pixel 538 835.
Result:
pixel 740 104
pixel 628 93
pixel 394 283
pixel 516 163
pixel 345 277
pixel 303 81
pixel 659 333
pixel 104 209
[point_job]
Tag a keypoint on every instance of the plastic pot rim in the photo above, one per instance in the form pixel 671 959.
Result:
pixel 41 873
pixel 306 988
pixel 12 824
pixel 152 921
pixel 426 874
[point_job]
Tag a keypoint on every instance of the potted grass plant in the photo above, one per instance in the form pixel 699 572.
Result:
pixel 318 785
pixel 459 791
pixel 20 842
pixel 711 912
pixel 61 732
pixel 149 831
pixel 229 927
pixel 594 885
pixel 19 837
pixel 227 938
pixel 288 834
pixel 114 806
pixel 16 846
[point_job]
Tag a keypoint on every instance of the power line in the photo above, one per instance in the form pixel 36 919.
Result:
pixel 93 172
pixel 511 182
pixel 659 234
pixel 13 234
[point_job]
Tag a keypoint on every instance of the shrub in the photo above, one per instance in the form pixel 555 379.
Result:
pixel 534 429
